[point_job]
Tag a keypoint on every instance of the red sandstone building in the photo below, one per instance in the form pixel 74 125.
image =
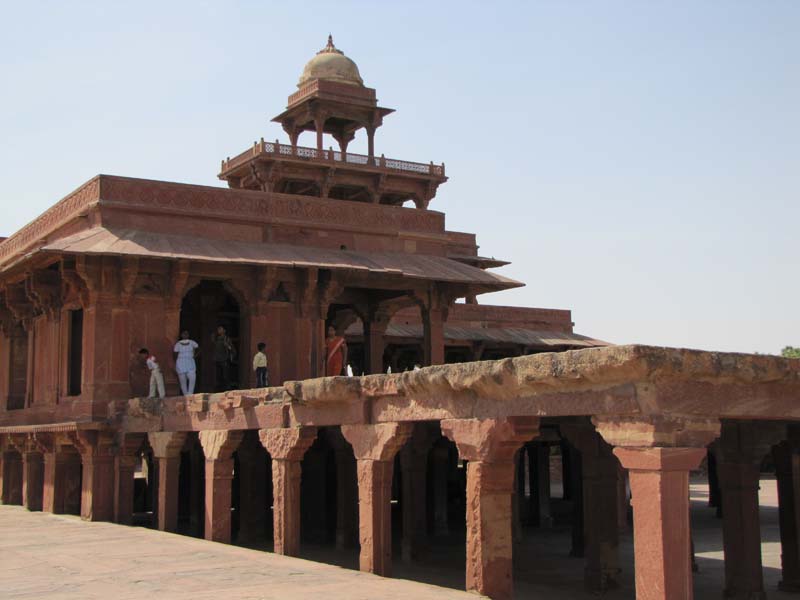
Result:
pixel 312 237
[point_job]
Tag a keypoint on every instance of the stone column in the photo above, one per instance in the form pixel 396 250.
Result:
pixel 440 457
pixel 11 492
pixel 218 447
pixel 286 447
pixel 125 461
pixel 375 447
pixel 660 497
pixel 374 330
pixel 740 450
pixel 32 478
pixel 97 475
pixel 489 446
pixel 414 469
pixel 252 490
pixel 600 471
pixel 659 453
pixel 346 491
pixel 167 447
pixel 60 464
pixel 433 328
pixel 539 461
pixel 787 468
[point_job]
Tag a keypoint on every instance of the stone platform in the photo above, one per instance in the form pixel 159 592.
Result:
pixel 52 557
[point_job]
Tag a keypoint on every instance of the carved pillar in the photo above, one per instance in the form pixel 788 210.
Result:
pixel 125 461
pixel 374 330
pixel 433 327
pixel 11 492
pixel 659 453
pixel 252 490
pixel 32 478
pixel 601 535
pixel 375 447
pixel 440 457
pixel 370 140
pixel 539 461
pixel 167 447
pixel 286 447
pixel 218 447
pixel 489 446
pixel 414 470
pixel 787 469
pixel 61 463
pixel 97 474
pixel 346 491
pixel 739 453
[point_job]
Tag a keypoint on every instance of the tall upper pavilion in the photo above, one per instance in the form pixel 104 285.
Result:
pixel 332 98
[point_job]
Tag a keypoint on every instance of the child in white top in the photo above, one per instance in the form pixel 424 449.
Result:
pixel 156 377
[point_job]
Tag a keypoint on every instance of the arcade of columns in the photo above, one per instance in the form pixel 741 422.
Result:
pixel 653 412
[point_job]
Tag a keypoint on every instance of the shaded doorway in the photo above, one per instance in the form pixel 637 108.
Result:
pixel 205 307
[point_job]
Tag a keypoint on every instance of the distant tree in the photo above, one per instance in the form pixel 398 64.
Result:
pixel 790 352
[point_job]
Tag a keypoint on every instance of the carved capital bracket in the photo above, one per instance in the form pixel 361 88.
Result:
pixel 490 440
pixel 379 441
pixel 43 289
pixel 92 443
pixel 166 444
pixel 127 279
pixel 657 431
pixel 287 443
pixel 177 284
pixel 220 444
pixel 21 308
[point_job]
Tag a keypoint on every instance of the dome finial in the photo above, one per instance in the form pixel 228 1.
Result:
pixel 330 48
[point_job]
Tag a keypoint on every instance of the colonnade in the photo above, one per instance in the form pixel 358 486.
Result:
pixel 91 473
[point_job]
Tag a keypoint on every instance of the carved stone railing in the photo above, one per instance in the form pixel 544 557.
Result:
pixel 312 154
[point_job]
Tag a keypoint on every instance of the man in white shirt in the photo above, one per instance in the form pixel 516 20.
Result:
pixel 185 351
pixel 156 377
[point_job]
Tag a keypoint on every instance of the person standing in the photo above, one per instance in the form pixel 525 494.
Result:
pixel 156 377
pixel 185 351
pixel 336 356
pixel 260 366
pixel 224 353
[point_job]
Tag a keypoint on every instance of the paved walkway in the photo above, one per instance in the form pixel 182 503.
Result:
pixel 58 557
pixel 52 557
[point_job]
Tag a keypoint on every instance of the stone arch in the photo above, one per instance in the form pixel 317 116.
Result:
pixel 208 304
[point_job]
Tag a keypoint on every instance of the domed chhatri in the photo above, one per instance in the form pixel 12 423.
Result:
pixel 331 64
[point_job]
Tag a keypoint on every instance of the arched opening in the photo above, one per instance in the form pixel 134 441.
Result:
pixel 329 501
pixel 206 307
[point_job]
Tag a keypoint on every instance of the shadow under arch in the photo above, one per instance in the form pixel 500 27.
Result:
pixel 207 305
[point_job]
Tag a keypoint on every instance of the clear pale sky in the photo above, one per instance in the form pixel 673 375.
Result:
pixel 638 162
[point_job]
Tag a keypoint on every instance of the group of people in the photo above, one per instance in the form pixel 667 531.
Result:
pixel 186 350
pixel 185 353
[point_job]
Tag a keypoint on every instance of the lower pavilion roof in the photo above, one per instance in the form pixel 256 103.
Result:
pixel 506 335
pixel 132 242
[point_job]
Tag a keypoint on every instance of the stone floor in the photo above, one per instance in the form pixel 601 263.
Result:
pixel 46 556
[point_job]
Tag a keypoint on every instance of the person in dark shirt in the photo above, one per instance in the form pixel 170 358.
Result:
pixel 224 354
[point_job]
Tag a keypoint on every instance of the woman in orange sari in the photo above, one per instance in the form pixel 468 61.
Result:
pixel 336 357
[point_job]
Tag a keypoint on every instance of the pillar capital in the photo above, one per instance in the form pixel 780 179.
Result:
pixel 490 440
pixel 288 443
pixel 377 442
pixel 657 431
pixel 220 444
pixel 166 444
pixel 660 459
